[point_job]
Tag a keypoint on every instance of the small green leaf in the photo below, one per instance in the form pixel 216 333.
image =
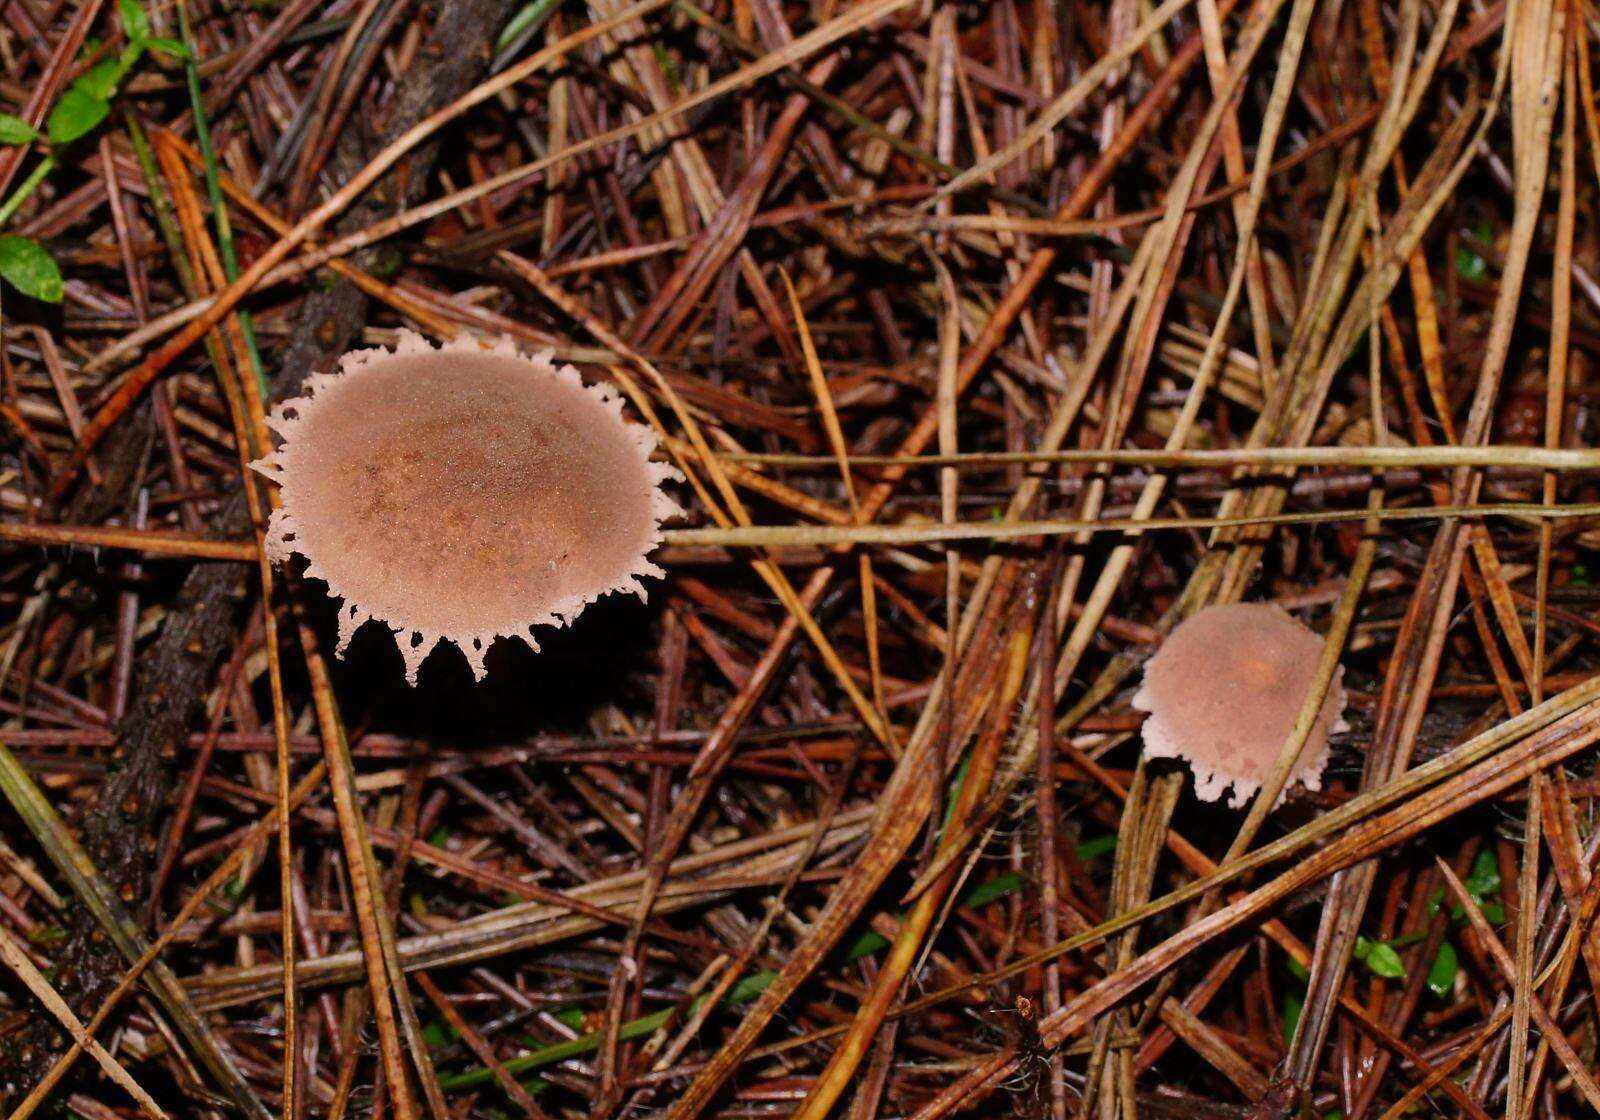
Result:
pixel 1098 846
pixel 1493 911
pixel 439 1033
pixel 15 130
pixel 169 46
pixel 1384 961
pixel 572 1017
pixel 1470 265
pixel 752 986
pixel 135 21
pixel 100 80
pixel 1293 1004
pixel 47 936
pixel 75 114
pixel 1442 976
pixel 996 888
pixel 865 945
pixel 27 267
pixel 1485 876
pixel 1363 949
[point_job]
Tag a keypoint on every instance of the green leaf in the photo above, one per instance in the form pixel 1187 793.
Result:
pixel 865 945
pixel 752 986
pixel 1098 846
pixel 529 19
pixel 135 20
pixel 439 1033
pixel 1470 265
pixel 100 80
pixel 47 936
pixel 15 130
pixel 572 1017
pixel 27 267
pixel 1297 970
pixel 169 46
pixel 1485 876
pixel 75 114
pixel 1363 949
pixel 1493 911
pixel 1442 976
pixel 1384 961
pixel 1293 1004
pixel 998 887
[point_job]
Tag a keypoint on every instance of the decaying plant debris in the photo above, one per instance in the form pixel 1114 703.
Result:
pixel 992 341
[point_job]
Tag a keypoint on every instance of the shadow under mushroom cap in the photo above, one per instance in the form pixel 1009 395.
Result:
pixel 464 493
pixel 1223 692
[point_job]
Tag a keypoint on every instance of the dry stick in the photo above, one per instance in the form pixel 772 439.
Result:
pixel 150 542
pixel 843 536
pixel 1555 406
pixel 1429 457
pixel 800 536
pixel 1581 907
pixel 1560 352
pixel 1520 975
pixel 945 401
pixel 1433 364
pixel 1314 327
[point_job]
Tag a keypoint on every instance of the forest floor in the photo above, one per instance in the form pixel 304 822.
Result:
pixel 992 340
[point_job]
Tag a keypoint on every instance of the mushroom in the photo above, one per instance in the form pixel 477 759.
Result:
pixel 463 493
pixel 1223 692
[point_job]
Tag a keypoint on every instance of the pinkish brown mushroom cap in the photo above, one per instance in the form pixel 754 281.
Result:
pixel 463 493
pixel 1223 692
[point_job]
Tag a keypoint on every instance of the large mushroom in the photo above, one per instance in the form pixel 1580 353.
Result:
pixel 463 493
pixel 1223 692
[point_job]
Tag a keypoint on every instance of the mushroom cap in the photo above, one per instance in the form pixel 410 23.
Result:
pixel 463 493
pixel 1223 692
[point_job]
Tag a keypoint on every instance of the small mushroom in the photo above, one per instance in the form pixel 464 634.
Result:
pixel 1223 693
pixel 463 493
